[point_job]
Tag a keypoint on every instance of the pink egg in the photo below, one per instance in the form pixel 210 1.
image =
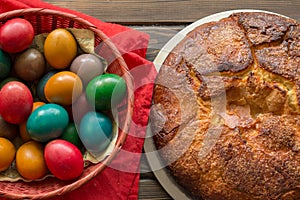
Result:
pixel 80 107
pixel 87 66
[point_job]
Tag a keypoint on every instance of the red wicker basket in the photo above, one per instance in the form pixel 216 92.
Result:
pixel 43 21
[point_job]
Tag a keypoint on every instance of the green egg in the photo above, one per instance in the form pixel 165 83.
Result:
pixel 8 79
pixel 47 122
pixel 106 91
pixel 5 64
pixel 70 134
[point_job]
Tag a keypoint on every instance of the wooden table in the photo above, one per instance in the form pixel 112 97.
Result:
pixel 162 20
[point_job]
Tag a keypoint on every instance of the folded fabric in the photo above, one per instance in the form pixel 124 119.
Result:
pixel 120 179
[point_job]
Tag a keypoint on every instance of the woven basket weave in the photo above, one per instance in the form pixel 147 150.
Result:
pixel 44 21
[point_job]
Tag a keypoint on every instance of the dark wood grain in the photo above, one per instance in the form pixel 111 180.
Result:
pixel 150 189
pixel 159 36
pixel 171 11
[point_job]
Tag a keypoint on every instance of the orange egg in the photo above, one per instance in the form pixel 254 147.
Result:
pixel 22 128
pixel 63 88
pixel 30 160
pixel 7 153
pixel 23 132
pixel 60 48
pixel 37 104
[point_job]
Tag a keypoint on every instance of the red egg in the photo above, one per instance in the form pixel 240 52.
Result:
pixel 63 159
pixel 15 102
pixel 16 35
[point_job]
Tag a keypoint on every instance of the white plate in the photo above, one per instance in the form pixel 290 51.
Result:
pixel 161 173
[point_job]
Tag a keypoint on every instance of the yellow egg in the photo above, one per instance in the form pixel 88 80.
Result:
pixel 60 48
pixel 63 88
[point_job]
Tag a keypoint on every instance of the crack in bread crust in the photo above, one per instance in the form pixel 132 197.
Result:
pixel 249 64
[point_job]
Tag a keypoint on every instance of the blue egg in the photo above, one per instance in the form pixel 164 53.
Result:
pixel 47 122
pixel 41 85
pixel 95 132
pixel 5 64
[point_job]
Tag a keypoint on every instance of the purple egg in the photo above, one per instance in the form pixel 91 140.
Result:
pixel 87 66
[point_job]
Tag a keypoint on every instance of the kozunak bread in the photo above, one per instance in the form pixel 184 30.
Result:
pixel 226 104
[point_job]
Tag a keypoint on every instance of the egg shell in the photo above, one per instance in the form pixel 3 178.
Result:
pixel 63 159
pixel 60 48
pixel 5 64
pixel 41 85
pixel 30 162
pixel 80 107
pixel 95 132
pixel 106 91
pixel 70 134
pixel 22 127
pixel 47 122
pixel 30 65
pixel 15 102
pixel 16 35
pixel 63 88
pixel 7 130
pixel 8 79
pixel 87 67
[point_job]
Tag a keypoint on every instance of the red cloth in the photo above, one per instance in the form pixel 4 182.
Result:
pixel 120 179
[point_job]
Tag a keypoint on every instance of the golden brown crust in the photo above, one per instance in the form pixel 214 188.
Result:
pixel 217 47
pixel 263 28
pixel 226 109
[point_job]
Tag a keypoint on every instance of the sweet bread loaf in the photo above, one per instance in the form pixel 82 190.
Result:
pixel 226 104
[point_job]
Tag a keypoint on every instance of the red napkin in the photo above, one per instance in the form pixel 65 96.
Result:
pixel 119 180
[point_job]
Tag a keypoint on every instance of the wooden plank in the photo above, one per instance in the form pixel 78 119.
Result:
pixel 150 190
pixel 171 11
pixel 159 36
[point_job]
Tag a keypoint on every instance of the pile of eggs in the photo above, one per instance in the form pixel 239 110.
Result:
pixel 43 116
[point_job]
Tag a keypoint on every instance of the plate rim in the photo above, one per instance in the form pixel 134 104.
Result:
pixel 162 174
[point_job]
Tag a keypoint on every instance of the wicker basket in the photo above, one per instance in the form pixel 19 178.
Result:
pixel 43 21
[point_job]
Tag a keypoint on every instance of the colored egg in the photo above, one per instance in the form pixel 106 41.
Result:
pixel 8 79
pixel 106 91
pixel 15 102
pixel 70 134
pixel 80 107
pixel 5 64
pixel 87 67
pixel 41 85
pixel 7 130
pixel 7 153
pixel 16 35
pixel 63 88
pixel 95 132
pixel 30 162
pixel 60 48
pixel 64 160
pixel 22 127
pixel 47 122
pixel 30 65
pixel 37 104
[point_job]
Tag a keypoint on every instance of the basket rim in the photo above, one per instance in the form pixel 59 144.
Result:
pixel 70 186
